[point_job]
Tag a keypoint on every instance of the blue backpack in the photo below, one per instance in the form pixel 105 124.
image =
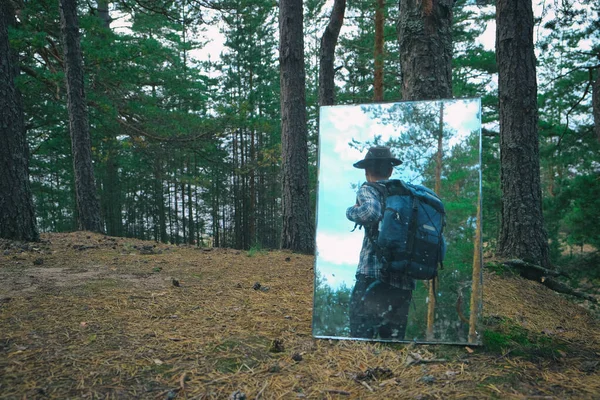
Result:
pixel 410 238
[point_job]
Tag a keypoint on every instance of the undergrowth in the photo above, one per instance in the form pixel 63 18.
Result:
pixel 506 336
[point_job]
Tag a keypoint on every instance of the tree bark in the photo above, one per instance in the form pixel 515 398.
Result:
pixel 378 53
pixel 425 36
pixel 596 103
pixel 476 287
pixel 327 54
pixel 522 233
pixel 17 217
pixel 298 228
pixel 88 206
pixel 103 13
pixel 439 155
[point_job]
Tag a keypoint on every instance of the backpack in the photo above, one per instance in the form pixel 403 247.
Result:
pixel 409 239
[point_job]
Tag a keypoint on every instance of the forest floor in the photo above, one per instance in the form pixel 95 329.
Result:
pixel 90 316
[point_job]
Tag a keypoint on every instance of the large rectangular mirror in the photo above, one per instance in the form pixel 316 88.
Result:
pixel 381 293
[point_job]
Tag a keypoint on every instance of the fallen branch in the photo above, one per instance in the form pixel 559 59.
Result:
pixel 547 278
pixel 533 269
pixel 560 287
pixel 336 391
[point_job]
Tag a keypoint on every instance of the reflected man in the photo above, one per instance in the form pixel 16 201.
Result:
pixel 380 300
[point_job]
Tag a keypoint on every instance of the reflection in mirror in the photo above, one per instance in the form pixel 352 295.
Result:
pixel 384 292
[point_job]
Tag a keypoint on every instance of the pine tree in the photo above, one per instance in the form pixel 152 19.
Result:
pixel 88 207
pixel 17 219
pixel 298 231
pixel 522 232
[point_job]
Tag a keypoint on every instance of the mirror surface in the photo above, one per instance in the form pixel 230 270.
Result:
pixel 439 143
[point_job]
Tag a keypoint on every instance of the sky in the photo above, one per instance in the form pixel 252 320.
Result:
pixel 338 247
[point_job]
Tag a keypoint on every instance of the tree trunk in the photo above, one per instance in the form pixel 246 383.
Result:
pixel 476 287
pixel 17 218
pixel 191 202
pixel 252 239
pixel 85 188
pixel 439 155
pixel 297 229
pixel 522 233
pixel 112 192
pixel 184 239
pixel 596 103
pixel 378 54
pixel 103 13
pixel 327 53
pixel 425 36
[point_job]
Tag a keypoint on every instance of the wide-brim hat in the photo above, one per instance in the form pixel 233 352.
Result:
pixel 377 154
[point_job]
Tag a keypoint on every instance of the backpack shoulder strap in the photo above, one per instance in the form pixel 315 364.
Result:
pixel 380 187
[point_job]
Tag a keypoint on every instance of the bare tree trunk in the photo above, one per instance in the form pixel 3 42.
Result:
pixel 439 155
pixel 522 233
pixel 378 54
pixel 476 289
pixel 112 204
pixel 425 36
pixel 596 103
pixel 88 206
pixel 327 53
pixel 103 13
pixel 438 188
pixel 252 210
pixel 17 218
pixel 297 230
pixel 191 202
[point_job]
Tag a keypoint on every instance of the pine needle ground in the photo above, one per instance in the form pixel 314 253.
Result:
pixel 89 316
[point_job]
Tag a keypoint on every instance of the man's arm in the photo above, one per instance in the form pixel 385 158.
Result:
pixel 367 209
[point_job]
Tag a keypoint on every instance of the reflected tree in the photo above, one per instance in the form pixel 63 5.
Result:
pixel 331 308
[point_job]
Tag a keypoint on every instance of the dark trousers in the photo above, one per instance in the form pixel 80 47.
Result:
pixel 378 310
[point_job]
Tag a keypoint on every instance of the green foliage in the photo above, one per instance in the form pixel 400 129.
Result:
pixel 355 54
pixel 505 336
pixel 581 219
pixel 497 268
pixel 255 249
pixel 473 66
pixel 569 149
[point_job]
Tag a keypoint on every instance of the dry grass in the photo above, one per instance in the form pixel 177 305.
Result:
pixel 87 316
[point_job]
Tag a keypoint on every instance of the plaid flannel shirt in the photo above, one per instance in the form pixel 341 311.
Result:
pixel 367 212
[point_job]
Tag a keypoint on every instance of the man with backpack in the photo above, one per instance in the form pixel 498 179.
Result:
pixel 403 241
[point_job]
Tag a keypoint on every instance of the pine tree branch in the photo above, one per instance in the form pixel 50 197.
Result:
pixel 585 92
pixel 140 132
pixel 536 271
pixel 49 84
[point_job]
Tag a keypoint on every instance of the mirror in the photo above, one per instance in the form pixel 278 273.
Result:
pixel 439 144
